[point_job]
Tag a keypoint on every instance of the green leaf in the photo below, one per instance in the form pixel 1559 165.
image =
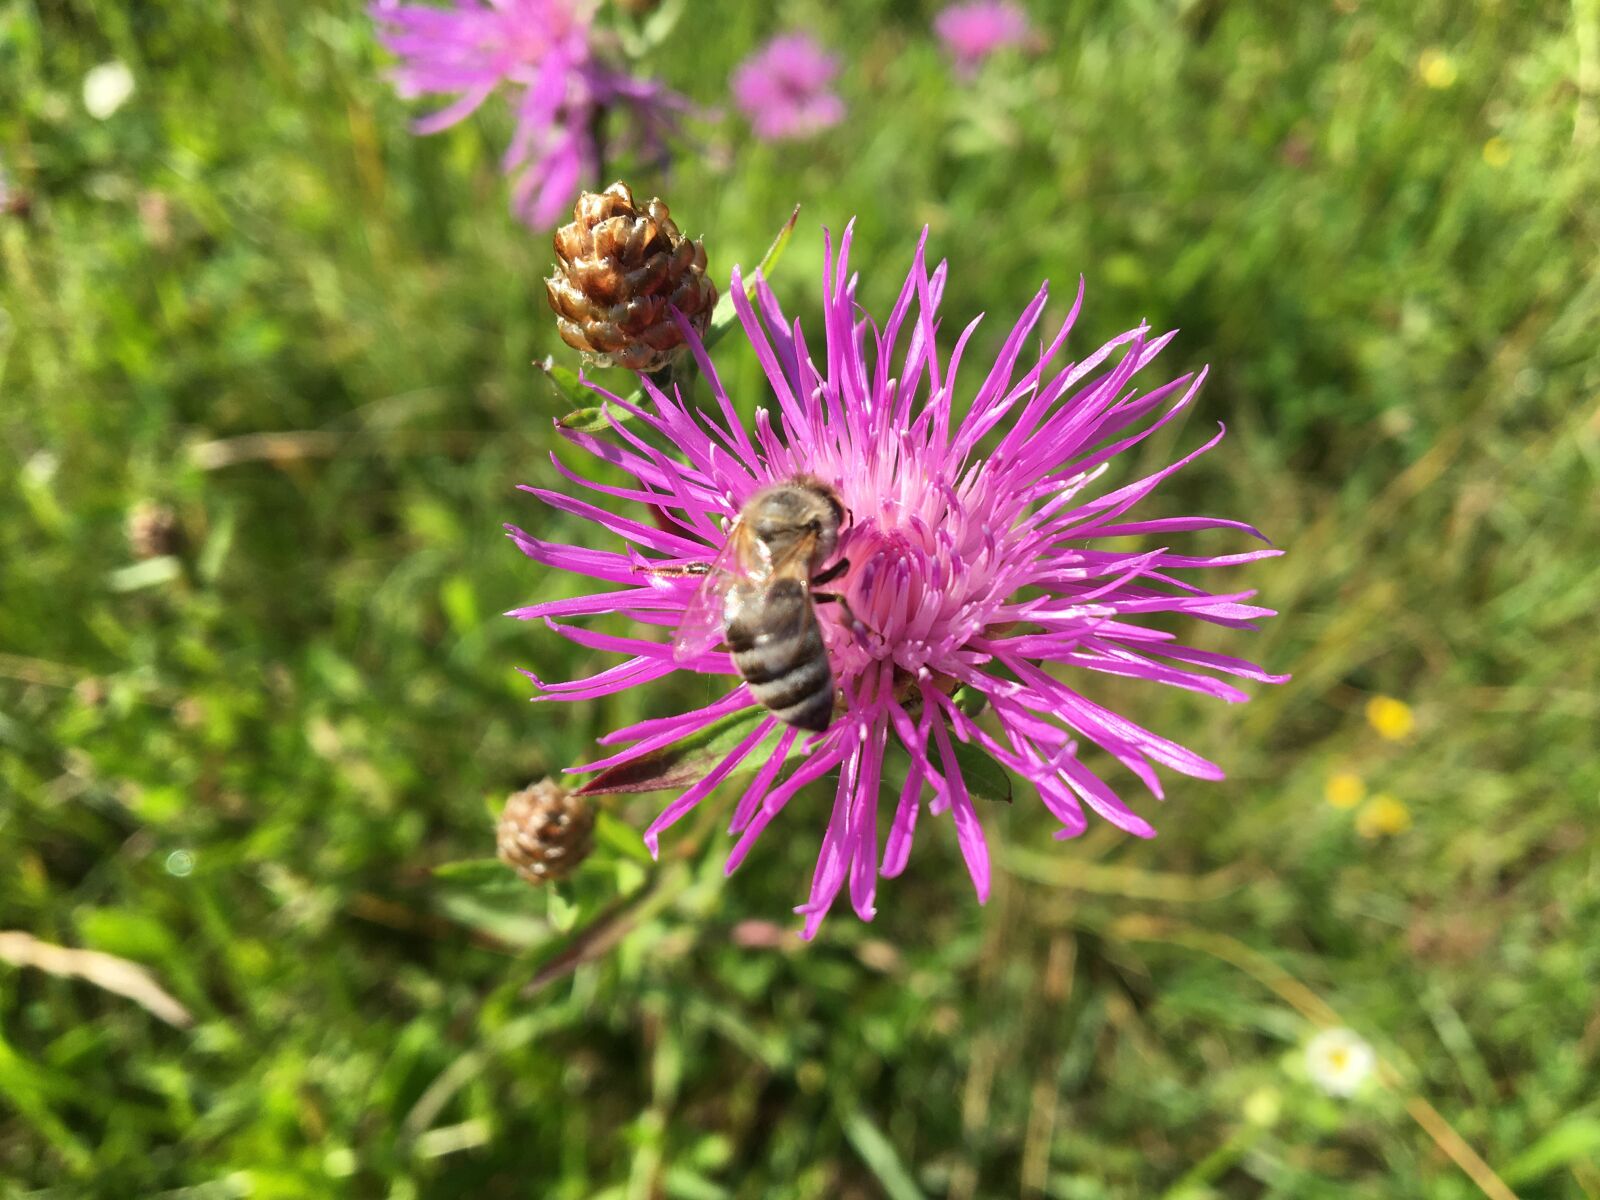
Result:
pixel 1575 1139
pixel 460 603
pixel 682 763
pixel 126 933
pixel 986 779
pixel 647 33
pixel 879 1154
pixel 484 877
pixel 563 911
pixel 31 1090
pixel 218 543
pixel 723 318
pixel 471 870
pixel 620 837
pixel 685 1183
pixel 659 24
pixel 629 875
pixel 970 700
pixel 153 572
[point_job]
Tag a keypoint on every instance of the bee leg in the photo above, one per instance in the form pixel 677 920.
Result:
pixel 832 573
pixel 686 571
pixel 856 626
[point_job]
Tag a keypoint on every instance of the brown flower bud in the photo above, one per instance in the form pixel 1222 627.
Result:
pixel 620 271
pixel 545 831
pixel 153 530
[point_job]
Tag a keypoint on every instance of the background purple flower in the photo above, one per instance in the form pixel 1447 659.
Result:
pixel 783 88
pixel 541 50
pixel 973 31
pixel 983 555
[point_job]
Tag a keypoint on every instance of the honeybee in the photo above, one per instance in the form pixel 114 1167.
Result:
pixel 757 597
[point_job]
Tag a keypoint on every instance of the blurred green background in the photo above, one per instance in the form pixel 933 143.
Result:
pixel 252 296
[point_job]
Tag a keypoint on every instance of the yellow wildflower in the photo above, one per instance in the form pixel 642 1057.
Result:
pixel 1344 789
pixel 1438 69
pixel 1383 816
pixel 1496 152
pixel 1393 719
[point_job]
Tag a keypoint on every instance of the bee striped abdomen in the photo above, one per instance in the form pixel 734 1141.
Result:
pixel 777 646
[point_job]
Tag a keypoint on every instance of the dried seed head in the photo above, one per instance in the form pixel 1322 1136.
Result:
pixel 545 831
pixel 153 530
pixel 620 271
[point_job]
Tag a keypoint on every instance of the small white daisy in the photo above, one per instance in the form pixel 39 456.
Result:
pixel 1339 1061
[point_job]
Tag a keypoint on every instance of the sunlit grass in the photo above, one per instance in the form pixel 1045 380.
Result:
pixel 251 295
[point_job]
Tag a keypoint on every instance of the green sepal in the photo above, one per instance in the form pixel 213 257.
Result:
pixel 586 417
pixel 567 382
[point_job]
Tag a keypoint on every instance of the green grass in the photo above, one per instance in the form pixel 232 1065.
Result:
pixel 1395 283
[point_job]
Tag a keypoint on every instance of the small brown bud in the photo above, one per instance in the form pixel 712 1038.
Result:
pixel 90 691
pixel 153 530
pixel 1295 151
pixel 155 218
pixel 545 831
pixel 620 271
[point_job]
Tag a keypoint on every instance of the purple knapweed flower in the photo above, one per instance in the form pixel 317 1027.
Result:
pixel 544 52
pixel 973 31
pixel 783 88
pixel 984 554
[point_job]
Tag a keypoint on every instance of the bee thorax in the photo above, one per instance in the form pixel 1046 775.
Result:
pixel 798 519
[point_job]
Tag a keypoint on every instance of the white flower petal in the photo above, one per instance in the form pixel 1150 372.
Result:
pixel 1339 1061
pixel 107 88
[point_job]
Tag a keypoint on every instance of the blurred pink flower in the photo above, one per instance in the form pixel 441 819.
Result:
pixel 971 32
pixel 783 88
pixel 982 555
pixel 543 51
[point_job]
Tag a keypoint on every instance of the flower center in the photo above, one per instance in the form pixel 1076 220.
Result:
pixel 909 588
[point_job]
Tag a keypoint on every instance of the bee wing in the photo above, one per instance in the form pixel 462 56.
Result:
pixel 701 627
pixel 794 562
